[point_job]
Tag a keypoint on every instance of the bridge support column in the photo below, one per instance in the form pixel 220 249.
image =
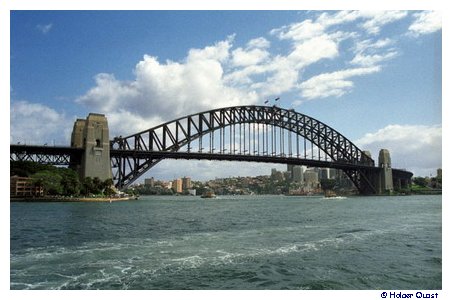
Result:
pixel 385 183
pixel 92 135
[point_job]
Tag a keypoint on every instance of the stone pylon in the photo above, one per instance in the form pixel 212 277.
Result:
pixel 385 181
pixel 92 135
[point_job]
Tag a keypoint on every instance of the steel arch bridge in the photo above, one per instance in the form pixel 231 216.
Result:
pixel 243 133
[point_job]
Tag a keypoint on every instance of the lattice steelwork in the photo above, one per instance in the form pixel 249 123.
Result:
pixel 248 133
pixel 63 156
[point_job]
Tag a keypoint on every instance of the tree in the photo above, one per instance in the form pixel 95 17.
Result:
pixel 327 184
pixel 98 185
pixel 420 181
pixel 70 182
pixel 87 186
pixel 108 187
pixel 49 181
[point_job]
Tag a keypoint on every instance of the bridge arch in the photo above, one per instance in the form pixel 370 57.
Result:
pixel 133 155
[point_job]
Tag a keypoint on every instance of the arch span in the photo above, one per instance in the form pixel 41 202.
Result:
pixel 252 133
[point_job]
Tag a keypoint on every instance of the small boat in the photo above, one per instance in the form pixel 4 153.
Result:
pixel 208 194
pixel 330 194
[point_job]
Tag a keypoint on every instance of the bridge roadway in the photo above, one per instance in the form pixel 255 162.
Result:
pixel 237 157
pixel 64 155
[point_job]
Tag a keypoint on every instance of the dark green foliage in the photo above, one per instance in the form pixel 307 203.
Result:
pixel 328 184
pixel 420 181
pixel 55 181
pixel 49 181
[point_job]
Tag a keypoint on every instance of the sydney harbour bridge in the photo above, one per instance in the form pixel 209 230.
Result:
pixel 240 133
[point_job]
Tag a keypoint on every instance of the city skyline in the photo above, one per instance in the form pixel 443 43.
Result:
pixel 373 76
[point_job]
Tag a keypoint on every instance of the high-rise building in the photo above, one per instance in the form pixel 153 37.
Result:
pixel 186 183
pixel 323 173
pixel 274 172
pixel 287 176
pixel 311 178
pixel 177 185
pixel 149 181
pixel 297 175
pixel 277 175
pixel 439 173
pixel 334 173
pixel 290 169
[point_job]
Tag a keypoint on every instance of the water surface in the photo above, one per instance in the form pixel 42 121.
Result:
pixel 240 242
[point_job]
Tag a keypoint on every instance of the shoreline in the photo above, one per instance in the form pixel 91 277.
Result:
pixel 68 199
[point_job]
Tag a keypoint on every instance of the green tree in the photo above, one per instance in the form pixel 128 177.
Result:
pixel 49 181
pixel 87 186
pixel 98 185
pixel 70 183
pixel 327 184
pixel 420 181
pixel 108 187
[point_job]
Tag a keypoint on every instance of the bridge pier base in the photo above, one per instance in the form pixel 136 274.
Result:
pixel 92 135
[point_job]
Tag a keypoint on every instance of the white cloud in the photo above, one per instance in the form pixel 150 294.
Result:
pixel 371 60
pixel 333 84
pixel 417 148
pixel 306 29
pixel 34 123
pixel 260 42
pixel 369 45
pixel 163 91
pixel 377 19
pixel 425 22
pixel 221 75
pixel 313 50
pixel 370 53
pixel 241 57
pixel 44 28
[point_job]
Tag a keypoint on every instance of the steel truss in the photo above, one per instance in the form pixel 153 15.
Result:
pixel 252 133
pixel 62 156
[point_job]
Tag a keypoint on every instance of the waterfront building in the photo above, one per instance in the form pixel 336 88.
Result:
pixel 277 175
pixel 297 175
pixel 24 187
pixel 323 173
pixel 287 176
pixel 290 169
pixel 333 173
pixel 167 185
pixel 149 182
pixel 311 179
pixel 186 183
pixel 177 185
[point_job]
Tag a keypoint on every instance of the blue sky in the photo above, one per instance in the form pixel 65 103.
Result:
pixel 375 76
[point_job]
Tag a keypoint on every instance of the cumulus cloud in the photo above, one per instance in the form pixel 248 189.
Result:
pixel 223 75
pixel 333 84
pixel 34 123
pixel 425 22
pixel 170 89
pixel 241 57
pixel 417 148
pixel 317 39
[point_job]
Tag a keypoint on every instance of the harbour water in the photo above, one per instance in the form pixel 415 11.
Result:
pixel 235 242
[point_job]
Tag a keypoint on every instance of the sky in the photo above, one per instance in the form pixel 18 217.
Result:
pixel 375 76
